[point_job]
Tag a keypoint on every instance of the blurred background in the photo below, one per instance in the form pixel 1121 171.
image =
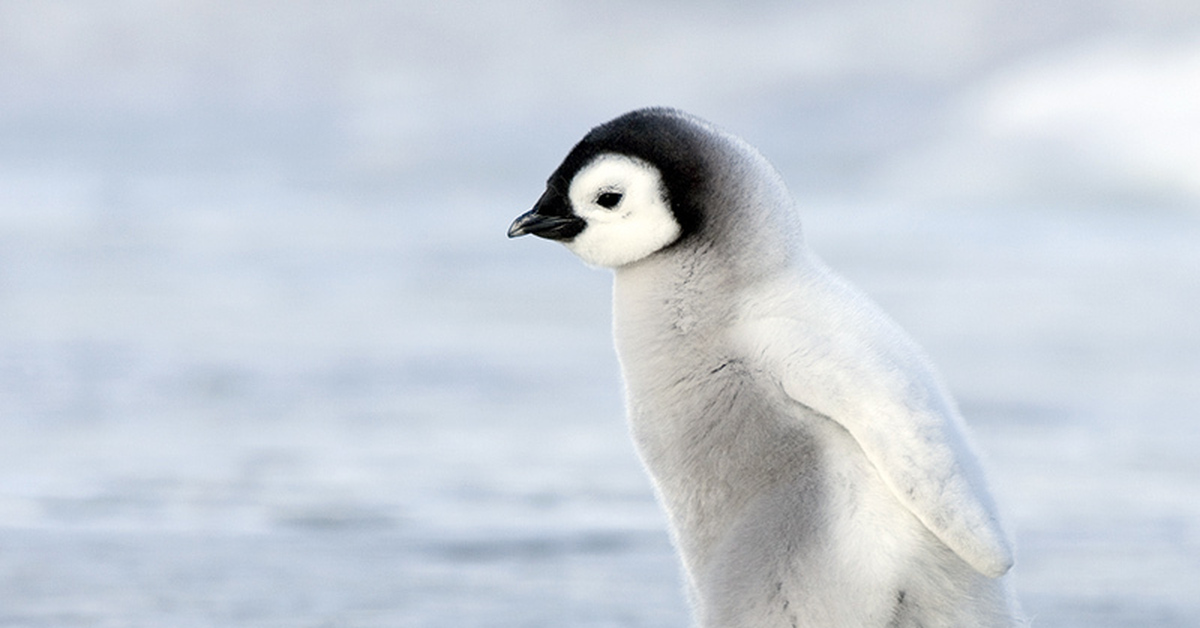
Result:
pixel 268 359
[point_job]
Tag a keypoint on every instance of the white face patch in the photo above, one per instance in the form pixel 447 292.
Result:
pixel 624 203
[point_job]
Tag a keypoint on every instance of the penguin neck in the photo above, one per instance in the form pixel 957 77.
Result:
pixel 681 299
pixel 672 295
pixel 696 280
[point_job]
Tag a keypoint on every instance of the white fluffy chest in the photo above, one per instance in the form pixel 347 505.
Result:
pixel 752 486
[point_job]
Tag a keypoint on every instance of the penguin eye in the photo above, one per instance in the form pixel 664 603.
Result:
pixel 608 200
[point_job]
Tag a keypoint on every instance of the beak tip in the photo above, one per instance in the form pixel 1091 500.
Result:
pixel 517 230
pixel 520 226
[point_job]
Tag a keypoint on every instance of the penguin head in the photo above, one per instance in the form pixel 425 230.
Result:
pixel 626 191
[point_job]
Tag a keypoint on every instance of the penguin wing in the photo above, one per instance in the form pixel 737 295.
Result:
pixel 886 395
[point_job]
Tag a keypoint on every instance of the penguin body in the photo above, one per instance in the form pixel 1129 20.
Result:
pixel 813 468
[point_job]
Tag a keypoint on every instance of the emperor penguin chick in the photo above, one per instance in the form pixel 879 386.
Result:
pixel 814 469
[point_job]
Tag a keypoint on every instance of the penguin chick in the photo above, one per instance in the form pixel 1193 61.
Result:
pixel 814 470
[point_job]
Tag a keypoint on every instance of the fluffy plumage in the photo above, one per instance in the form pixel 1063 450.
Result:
pixel 814 469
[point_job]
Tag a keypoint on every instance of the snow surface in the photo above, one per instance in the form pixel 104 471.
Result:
pixel 267 358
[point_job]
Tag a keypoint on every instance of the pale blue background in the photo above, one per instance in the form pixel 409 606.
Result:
pixel 267 358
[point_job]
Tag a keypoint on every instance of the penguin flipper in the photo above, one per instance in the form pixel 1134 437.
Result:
pixel 893 405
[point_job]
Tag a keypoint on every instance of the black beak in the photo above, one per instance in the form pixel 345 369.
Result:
pixel 550 218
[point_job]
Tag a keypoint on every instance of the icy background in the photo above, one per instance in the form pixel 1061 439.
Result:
pixel 267 358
